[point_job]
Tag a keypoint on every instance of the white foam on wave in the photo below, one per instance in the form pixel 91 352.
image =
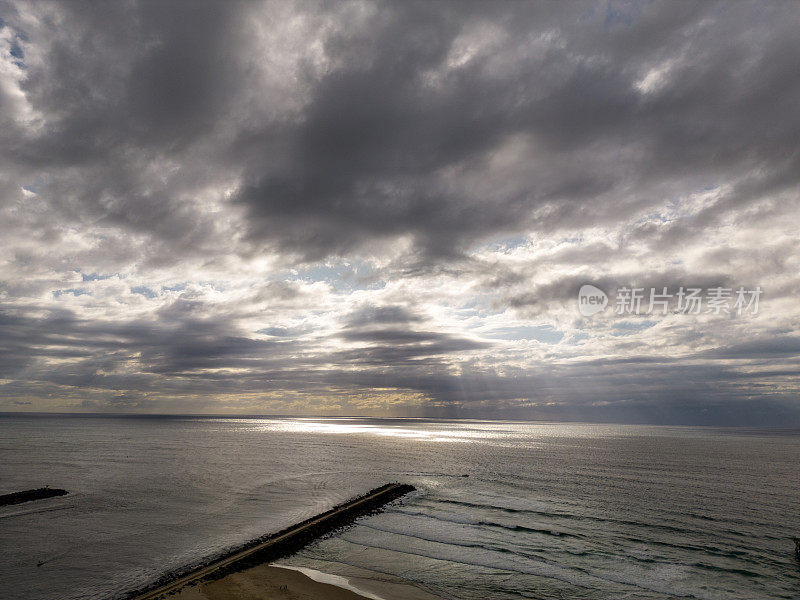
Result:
pixel 336 580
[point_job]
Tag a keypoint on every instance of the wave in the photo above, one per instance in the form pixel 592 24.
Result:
pixel 492 524
pixel 710 567
pixel 593 518
pixel 35 511
pixel 712 550
pixel 522 564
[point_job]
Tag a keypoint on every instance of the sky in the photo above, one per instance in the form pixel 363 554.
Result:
pixel 389 209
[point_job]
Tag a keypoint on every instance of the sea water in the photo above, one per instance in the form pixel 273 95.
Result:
pixel 503 509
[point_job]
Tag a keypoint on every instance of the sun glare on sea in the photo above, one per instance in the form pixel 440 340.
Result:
pixel 426 432
pixel 497 432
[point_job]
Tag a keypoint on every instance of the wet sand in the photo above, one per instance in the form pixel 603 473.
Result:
pixel 266 582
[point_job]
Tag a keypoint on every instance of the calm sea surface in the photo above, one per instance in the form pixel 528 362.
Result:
pixel 548 510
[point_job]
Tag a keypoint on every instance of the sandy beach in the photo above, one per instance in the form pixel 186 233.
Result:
pixel 267 582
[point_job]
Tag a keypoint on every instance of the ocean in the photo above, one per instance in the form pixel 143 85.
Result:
pixel 503 510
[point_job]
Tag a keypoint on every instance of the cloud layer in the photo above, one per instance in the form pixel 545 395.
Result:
pixel 389 208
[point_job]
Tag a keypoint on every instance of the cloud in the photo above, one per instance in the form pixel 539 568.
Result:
pixel 286 207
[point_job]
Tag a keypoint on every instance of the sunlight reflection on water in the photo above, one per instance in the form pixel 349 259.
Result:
pixel 350 427
pixel 496 432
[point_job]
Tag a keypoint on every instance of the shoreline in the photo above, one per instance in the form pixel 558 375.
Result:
pixel 286 582
pixel 270 581
pixel 330 579
pixel 367 582
pixel 275 546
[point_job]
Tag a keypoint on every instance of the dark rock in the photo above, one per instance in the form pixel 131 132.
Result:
pixel 28 495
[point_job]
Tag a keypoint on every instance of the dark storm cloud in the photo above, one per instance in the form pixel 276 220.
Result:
pixel 122 88
pixel 168 346
pixel 194 356
pixel 127 75
pixel 393 347
pixel 372 315
pixel 365 156
pixel 148 146
pixel 766 348
pixel 395 335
